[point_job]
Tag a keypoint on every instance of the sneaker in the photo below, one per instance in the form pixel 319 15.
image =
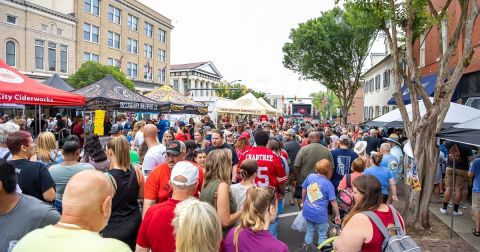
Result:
pixel 457 213
pixel 450 205
pixel 444 211
pixel 463 206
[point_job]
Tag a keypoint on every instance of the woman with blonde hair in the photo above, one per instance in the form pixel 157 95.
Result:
pixel 168 136
pixel 199 137
pixel 47 152
pixel 216 187
pixel 126 217
pixel 259 210
pixel 137 133
pixel 197 227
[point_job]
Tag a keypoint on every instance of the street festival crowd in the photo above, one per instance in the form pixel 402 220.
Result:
pixel 196 186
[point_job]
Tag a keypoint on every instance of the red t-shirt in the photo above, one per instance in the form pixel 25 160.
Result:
pixel 375 244
pixel 157 186
pixel 183 137
pixel 156 231
pixel 270 168
pixel 284 154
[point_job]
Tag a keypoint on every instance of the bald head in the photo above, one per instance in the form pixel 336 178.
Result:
pixel 87 200
pixel 150 131
pixel 314 137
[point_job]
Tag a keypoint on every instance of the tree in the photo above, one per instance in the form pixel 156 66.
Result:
pixel 331 49
pixel 324 110
pixel 402 23
pixel 234 91
pixel 91 72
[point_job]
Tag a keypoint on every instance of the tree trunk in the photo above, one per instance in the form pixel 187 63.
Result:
pixel 426 158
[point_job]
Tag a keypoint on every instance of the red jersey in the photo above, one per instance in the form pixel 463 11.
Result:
pixel 270 168
pixel 183 137
pixel 284 154
pixel 158 217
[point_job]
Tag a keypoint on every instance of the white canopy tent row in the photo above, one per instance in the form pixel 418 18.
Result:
pixel 456 114
pixel 246 105
pixel 271 111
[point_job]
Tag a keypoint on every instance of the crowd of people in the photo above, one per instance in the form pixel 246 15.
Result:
pixel 191 186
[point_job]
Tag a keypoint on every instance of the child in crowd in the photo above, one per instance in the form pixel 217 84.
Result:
pixel 248 170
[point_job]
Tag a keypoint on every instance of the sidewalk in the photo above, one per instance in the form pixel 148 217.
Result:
pixel 462 225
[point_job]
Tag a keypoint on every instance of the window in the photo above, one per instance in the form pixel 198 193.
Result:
pixel 11 19
pixel 39 44
pixel 147 72
pixel 385 110
pixel 147 51
pixel 52 56
pixel 444 34
pixel 377 111
pixel 370 112
pixel 132 23
pixel 114 14
pixel 162 55
pixel 132 70
pixel 113 40
pixel 161 75
pixel 132 46
pixel 175 84
pixel 11 53
pixel 370 85
pixel 59 32
pixel 63 58
pixel 162 36
pixel 90 33
pixel 92 7
pixel 422 50
pixel 386 78
pixel 148 29
pixel 377 82
pixel 113 62
pixel 90 57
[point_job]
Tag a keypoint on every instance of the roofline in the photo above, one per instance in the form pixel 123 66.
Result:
pixel 143 12
pixel 43 9
pixel 197 69
pixel 377 65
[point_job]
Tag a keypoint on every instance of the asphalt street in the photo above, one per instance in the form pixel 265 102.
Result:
pixel 292 238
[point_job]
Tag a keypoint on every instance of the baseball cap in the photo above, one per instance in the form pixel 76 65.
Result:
pixel 291 132
pixel 185 169
pixel 244 135
pixel 344 138
pixel 176 147
pixel 181 124
pixel 227 133
pixel 115 129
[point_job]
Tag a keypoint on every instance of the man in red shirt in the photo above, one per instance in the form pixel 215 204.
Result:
pixel 157 187
pixel 270 173
pixel 156 231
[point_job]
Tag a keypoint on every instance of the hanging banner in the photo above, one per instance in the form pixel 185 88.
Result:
pixel 98 122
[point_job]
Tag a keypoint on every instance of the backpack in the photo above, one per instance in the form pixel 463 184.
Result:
pixel 345 197
pixel 454 154
pixel 393 243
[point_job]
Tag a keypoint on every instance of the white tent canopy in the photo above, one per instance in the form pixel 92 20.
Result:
pixel 456 114
pixel 270 110
pixel 467 132
pixel 247 104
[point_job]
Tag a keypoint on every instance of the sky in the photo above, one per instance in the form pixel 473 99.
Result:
pixel 243 39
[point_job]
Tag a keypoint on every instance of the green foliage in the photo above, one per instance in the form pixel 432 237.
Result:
pixel 91 72
pixel 235 91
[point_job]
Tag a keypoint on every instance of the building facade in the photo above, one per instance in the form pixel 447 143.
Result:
pixel 429 54
pixel 195 80
pixel 36 40
pixel 355 114
pixel 378 89
pixel 127 34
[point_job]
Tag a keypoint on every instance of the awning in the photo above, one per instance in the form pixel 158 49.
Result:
pixel 19 89
pixel 172 102
pixel 467 132
pixel 428 82
pixel 247 105
pixel 57 82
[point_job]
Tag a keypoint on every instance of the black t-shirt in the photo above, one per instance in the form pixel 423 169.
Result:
pixel 465 152
pixel 33 177
pixel 225 146
pixel 124 206
pixel 292 147
pixel 373 144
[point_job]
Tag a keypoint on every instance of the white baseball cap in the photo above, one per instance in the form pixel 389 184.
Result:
pixel 187 170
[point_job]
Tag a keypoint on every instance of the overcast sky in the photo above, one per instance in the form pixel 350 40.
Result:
pixel 243 39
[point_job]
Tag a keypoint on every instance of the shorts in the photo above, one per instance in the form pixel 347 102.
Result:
pixel 476 201
pixel 460 178
pixel 298 192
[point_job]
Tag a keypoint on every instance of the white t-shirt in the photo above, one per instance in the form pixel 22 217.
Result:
pixel 139 138
pixel 154 156
pixel 238 192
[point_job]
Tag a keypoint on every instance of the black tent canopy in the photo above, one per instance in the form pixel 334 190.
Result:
pixel 172 102
pixel 109 94
pixel 57 82
pixel 467 132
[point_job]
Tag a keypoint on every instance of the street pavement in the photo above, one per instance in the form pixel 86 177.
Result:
pixel 292 238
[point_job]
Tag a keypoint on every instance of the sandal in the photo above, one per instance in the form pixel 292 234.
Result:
pixel 475 232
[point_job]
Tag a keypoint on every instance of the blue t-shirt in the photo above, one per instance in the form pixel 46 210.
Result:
pixel 383 175
pixel 475 169
pixel 319 192
pixel 163 125
pixel 389 161
pixel 342 160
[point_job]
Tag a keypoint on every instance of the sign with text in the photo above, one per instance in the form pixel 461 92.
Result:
pixel 98 122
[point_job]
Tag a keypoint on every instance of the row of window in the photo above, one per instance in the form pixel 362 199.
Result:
pixel 371 113
pixel 115 14
pixel 52 49
pixel 374 84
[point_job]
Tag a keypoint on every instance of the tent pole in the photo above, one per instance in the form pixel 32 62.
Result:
pixel 84 126
pixel 453 193
pixel 39 119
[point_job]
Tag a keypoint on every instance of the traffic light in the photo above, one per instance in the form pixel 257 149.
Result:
pixel 283 99
pixel 295 98
pixel 244 89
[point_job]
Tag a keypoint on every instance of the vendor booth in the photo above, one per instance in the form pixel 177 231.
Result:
pixel 247 105
pixel 456 114
pixel 57 82
pixel 271 111
pixel 467 132
pixel 172 102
